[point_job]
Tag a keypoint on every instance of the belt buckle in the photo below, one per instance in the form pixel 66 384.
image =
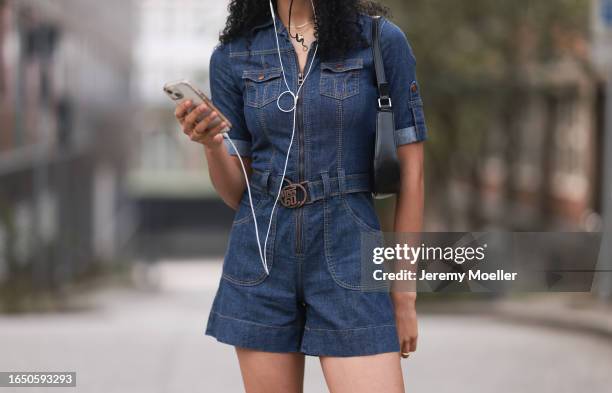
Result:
pixel 289 194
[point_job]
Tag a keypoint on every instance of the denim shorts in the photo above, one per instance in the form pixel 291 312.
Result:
pixel 313 301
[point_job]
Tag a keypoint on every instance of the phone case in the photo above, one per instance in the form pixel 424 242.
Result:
pixel 183 90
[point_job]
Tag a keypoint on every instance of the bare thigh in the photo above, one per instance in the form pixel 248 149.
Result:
pixel 364 374
pixel 266 372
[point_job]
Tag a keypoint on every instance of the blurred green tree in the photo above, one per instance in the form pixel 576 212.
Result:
pixel 471 57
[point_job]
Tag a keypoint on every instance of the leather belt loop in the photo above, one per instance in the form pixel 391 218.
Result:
pixel 265 176
pixel 260 179
pixel 341 181
pixel 326 186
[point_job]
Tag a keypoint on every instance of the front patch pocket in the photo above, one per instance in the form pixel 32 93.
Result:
pixel 261 86
pixel 340 79
pixel 348 261
pixel 242 264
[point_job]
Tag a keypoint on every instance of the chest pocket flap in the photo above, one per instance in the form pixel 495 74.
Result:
pixel 340 79
pixel 262 86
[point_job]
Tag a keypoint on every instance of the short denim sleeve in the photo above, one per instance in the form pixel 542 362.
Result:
pixel 227 97
pixel 400 69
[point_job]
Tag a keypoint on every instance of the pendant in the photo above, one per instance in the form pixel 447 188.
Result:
pixel 300 38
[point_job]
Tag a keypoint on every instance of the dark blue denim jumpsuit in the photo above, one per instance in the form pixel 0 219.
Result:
pixel 314 300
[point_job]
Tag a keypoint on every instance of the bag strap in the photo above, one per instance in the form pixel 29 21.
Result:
pixel 384 101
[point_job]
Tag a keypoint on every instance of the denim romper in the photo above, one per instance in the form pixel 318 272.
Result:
pixel 313 301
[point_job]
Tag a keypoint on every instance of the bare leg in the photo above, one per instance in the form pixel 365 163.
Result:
pixel 266 372
pixel 364 374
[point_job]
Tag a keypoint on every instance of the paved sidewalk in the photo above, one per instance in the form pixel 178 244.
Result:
pixel 574 311
pixel 150 340
pixel 579 312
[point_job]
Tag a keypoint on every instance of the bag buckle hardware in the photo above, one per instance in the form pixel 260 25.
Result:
pixel 289 197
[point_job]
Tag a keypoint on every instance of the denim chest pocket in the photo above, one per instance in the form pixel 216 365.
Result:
pixel 261 86
pixel 340 79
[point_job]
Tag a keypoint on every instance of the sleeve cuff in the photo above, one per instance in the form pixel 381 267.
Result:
pixel 408 135
pixel 244 147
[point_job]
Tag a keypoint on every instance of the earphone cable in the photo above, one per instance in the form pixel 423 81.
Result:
pixel 295 96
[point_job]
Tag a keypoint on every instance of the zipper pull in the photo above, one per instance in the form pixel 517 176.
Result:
pixel 300 79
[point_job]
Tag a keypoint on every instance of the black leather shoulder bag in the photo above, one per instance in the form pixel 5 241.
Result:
pixel 386 167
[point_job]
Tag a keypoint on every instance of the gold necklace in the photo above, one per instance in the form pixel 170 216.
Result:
pixel 305 24
pixel 299 37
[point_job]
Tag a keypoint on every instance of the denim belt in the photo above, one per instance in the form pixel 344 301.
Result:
pixel 294 195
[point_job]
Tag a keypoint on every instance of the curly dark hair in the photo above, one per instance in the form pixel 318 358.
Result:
pixel 338 30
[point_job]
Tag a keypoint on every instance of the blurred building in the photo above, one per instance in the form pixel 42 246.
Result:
pixel 179 212
pixel 174 41
pixel 64 105
pixel 547 174
pixel 543 167
pixel 602 55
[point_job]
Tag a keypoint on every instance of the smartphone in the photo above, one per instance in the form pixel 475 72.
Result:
pixel 183 90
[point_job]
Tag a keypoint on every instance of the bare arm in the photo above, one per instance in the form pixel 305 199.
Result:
pixel 409 218
pixel 226 174
pixel 410 200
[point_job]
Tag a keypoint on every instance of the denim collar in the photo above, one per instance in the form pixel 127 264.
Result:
pixel 282 30
pixel 268 22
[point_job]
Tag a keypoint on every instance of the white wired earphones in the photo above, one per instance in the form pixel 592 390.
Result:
pixel 295 96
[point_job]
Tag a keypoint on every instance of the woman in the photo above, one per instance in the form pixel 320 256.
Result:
pixel 313 301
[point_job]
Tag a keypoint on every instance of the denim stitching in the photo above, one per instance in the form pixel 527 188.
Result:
pixel 307 144
pixel 255 323
pixel 269 252
pixel 356 218
pixel 339 135
pixel 259 203
pixel 258 52
pixel 406 135
pixel 344 78
pixel 253 74
pixel 261 121
pixel 349 330
pixel 331 266
pixel 260 89
pixel 249 217
pixel 244 283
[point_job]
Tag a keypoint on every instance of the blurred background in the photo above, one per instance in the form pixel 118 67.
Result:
pixel 111 235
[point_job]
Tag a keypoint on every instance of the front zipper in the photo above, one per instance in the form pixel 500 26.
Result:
pixel 299 217
pixel 300 119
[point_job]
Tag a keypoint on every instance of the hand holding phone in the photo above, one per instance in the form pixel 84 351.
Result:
pixel 199 118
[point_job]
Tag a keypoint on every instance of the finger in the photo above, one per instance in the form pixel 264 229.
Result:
pixel 413 344
pixel 196 138
pixel 212 134
pixel 181 110
pixel 218 129
pixel 192 117
pixel 217 138
pixel 205 123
